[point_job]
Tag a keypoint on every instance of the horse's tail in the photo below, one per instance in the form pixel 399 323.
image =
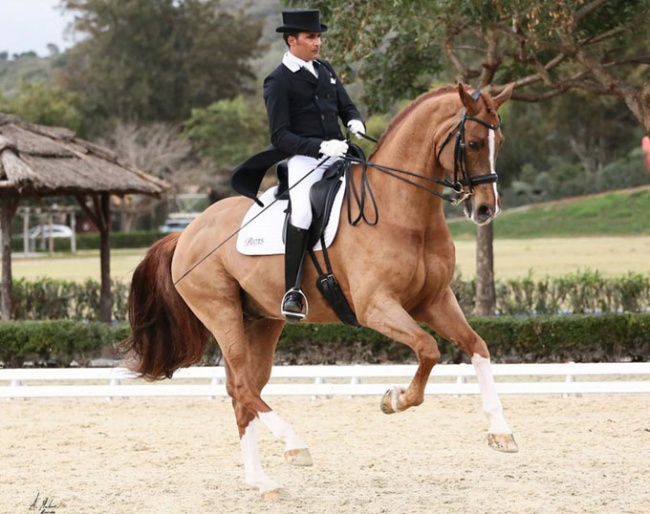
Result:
pixel 165 333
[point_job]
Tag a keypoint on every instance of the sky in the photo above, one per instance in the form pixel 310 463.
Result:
pixel 29 25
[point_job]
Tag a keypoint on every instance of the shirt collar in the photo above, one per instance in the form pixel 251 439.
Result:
pixel 292 62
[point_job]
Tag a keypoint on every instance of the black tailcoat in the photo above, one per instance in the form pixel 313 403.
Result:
pixel 303 112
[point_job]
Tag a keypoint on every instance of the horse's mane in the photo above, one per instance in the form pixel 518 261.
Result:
pixel 397 120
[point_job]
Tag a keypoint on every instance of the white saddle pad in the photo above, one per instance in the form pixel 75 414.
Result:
pixel 263 235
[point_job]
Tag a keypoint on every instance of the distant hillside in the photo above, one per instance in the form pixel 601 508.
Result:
pixel 26 68
pixel 616 213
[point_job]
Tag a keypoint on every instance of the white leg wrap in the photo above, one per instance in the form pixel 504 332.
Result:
pixel 491 403
pixel 282 430
pixel 253 471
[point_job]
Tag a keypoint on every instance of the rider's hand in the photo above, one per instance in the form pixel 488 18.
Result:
pixel 333 148
pixel 357 128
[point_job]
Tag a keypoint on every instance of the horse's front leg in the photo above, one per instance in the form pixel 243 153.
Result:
pixel 389 318
pixel 448 320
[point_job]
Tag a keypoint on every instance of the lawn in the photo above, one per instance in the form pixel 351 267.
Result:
pixel 619 213
pixel 612 256
pixel 78 267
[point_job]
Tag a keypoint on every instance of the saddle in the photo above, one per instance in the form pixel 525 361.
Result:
pixel 322 195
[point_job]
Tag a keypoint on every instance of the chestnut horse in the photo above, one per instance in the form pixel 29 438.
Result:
pixel 395 274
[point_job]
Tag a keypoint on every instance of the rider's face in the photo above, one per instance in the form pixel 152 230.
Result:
pixel 306 46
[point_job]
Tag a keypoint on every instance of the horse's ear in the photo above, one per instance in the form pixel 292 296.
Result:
pixel 468 101
pixel 503 96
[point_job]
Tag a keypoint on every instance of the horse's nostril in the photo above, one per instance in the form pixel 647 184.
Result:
pixel 484 212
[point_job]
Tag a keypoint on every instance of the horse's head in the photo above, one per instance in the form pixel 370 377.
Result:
pixel 477 139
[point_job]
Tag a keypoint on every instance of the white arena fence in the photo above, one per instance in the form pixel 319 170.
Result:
pixel 345 380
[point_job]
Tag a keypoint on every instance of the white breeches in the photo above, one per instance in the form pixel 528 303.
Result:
pixel 301 178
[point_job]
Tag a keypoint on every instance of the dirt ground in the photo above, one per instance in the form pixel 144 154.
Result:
pixel 579 455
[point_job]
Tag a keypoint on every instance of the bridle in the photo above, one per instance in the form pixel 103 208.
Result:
pixel 462 184
pixel 462 177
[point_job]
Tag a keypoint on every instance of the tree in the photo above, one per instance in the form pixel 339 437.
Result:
pixel 155 148
pixel 228 131
pixel 544 48
pixel 155 60
pixel 46 105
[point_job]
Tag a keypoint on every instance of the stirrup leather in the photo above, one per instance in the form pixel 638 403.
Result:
pixel 295 316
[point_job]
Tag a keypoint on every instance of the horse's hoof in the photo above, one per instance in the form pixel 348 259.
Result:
pixel 389 403
pixel 274 495
pixel 503 443
pixel 299 457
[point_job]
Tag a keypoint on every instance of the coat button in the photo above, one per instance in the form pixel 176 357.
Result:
pixel 316 97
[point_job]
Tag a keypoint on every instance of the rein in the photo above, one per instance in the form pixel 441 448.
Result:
pixel 461 178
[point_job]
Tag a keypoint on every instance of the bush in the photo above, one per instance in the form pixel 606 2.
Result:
pixel 49 299
pixel 579 338
pixel 578 293
pixel 56 342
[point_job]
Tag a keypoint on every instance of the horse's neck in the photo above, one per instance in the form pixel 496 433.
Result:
pixel 410 147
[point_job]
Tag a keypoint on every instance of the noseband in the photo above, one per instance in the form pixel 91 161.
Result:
pixel 462 177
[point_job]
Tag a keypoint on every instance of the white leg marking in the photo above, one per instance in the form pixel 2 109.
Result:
pixel 253 472
pixel 491 403
pixel 282 430
pixel 492 149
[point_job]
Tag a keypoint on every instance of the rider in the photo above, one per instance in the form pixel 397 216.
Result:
pixel 304 101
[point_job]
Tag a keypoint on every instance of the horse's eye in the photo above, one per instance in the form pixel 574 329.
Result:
pixel 473 145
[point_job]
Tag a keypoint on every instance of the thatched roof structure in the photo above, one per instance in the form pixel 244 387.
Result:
pixel 40 160
pixel 37 160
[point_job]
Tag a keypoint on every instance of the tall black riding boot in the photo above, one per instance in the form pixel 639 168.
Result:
pixel 294 257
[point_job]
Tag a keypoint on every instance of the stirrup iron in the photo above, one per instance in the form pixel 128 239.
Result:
pixel 295 316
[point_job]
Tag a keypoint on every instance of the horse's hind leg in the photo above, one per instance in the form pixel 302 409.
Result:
pixel 248 351
pixel 262 338
pixel 448 320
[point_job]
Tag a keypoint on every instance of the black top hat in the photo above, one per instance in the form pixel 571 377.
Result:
pixel 301 21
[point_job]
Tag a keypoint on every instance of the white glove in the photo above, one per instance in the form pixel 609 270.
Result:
pixel 357 128
pixel 333 148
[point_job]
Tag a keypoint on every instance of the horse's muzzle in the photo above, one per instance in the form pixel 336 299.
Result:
pixel 481 213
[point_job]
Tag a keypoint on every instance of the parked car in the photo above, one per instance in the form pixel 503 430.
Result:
pixel 44 231
pixel 177 222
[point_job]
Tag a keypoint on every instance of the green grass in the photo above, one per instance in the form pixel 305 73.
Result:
pixel 621 213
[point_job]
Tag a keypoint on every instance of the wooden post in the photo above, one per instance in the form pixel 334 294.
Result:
pixel 100 214
pixel 8 206
pixel 105 299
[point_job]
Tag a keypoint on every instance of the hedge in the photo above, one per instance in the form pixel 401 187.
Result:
pixel 48 299
pixel 57 342
pixel 579 338
pixel 577 293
